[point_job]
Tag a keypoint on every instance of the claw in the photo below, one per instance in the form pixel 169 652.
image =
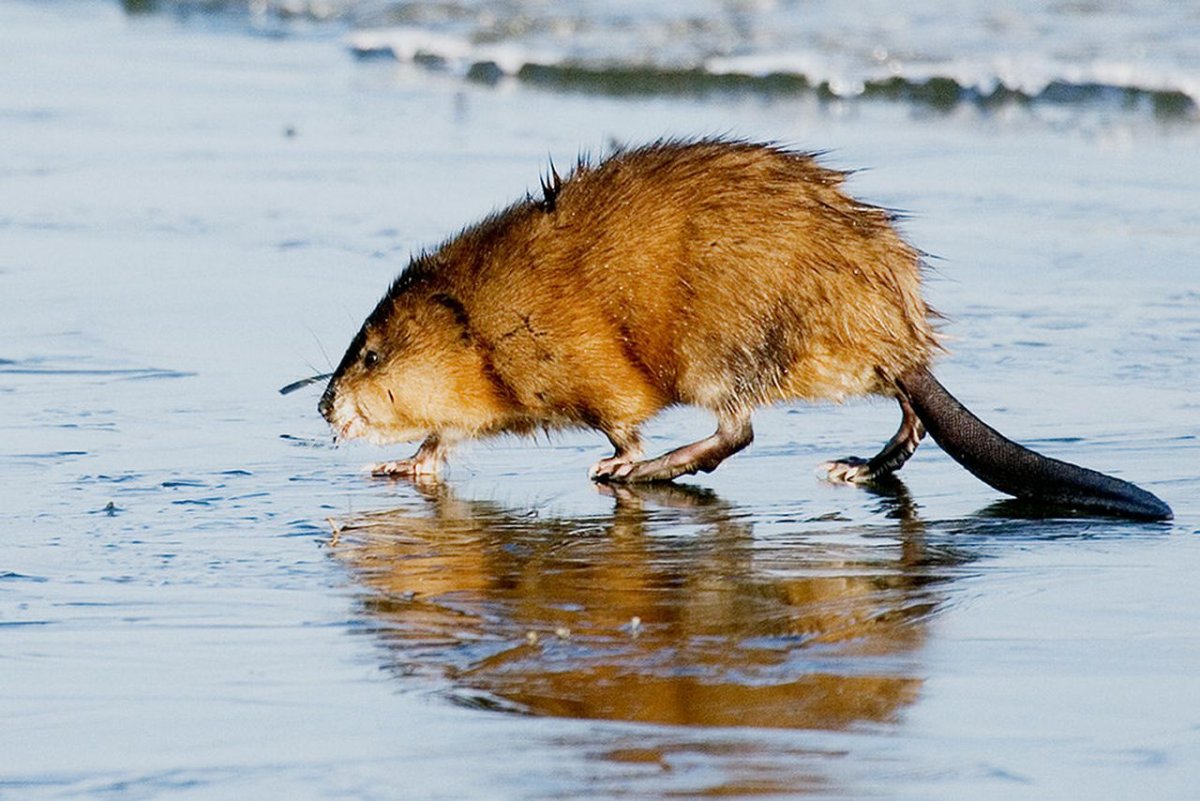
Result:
pixel 606 469
pixel 647 471
pixel 404 468
pixel 619 471
pixel 851 470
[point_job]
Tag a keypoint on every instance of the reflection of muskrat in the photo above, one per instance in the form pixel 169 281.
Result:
pixel 707 630
pixel 719 274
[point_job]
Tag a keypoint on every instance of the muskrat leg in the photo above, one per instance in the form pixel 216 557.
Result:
pixel 627 447
pixel 856 470
pixel 426 462
pixel 733 433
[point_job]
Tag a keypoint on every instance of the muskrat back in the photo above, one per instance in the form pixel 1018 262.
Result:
pixel 714 273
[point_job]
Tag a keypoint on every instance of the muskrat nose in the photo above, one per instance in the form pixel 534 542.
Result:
pixel 325 405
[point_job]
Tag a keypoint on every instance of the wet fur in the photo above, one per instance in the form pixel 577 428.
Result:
pixel 719 274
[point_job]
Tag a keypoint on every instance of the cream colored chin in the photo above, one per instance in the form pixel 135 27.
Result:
pixel 358 428
pixel 354 428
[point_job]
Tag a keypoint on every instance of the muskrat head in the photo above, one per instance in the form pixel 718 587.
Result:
pixel 413 369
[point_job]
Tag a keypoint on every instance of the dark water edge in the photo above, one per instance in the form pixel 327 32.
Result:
pixel 200 598
pixel 937 92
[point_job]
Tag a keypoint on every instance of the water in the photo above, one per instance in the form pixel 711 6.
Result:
pixel 194 215
pixel 1132 53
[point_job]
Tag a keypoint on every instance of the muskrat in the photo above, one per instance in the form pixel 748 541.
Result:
pixel 714 273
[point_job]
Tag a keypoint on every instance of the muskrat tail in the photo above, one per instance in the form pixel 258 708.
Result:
pixel 1014 469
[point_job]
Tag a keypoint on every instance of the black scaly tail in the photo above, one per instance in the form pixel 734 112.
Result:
pixel 1014 469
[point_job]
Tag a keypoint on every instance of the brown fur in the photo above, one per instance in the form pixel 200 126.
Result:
pixel 725 275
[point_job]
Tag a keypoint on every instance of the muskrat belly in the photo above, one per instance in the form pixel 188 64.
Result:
pixel 751 369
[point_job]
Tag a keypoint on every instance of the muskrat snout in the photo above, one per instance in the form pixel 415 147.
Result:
pixel 342 413
pixel 325 405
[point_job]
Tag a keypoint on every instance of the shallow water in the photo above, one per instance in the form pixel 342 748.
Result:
pixel 192 217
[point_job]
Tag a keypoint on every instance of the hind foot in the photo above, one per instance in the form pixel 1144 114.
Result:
pixel 604 469
pixel 902 445
pixel 733 434
pixel 623 471
pixel 627 447
pixel 851 470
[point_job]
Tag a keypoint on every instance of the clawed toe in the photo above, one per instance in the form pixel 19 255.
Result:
pixel 733 434
pixel 851 470
pixel 403 468
pixel 611 469
pixel 397 469
pixel 637 473
pixel 615 471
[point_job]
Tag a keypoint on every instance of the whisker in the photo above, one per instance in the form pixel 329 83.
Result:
pixel 320 347
pixel 303 382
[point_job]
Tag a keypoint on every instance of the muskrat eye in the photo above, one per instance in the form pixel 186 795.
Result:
pixel 370 359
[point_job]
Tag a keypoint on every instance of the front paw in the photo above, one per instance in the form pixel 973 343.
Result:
pixel 405 468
